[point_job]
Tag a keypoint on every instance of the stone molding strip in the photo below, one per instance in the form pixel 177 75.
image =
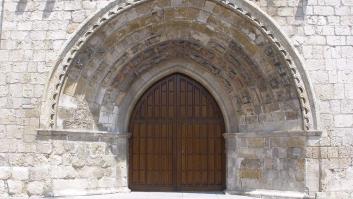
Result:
pixel 63 67
pixel 80 135
pixel 273 134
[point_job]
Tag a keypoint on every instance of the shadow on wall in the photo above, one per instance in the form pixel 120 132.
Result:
pixel 301 10
pixel 22 4
pixel 21 7
pixel 49 6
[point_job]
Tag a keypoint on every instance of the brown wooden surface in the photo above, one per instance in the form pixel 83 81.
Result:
pixel 176 142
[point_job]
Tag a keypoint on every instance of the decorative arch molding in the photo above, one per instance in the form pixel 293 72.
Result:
pixel 243 8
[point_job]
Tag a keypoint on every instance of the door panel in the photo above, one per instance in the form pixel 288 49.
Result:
pixel 176 142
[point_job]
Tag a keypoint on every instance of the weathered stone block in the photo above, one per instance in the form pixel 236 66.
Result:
pixel 44 148
pixel 58 148
pixel 62 172
pixel 343 120
pixel 87 172
pixel 107 182
pixel 256 142
pixel 251 163
pixel 38 173
pixel 55 160
pixel 5 173
pixel 277 142
pixel 35 188
pixel 20 173
pixel 250 173
pixel 69 184
pixel 332 152
pixel 15 186
pixel 296 142
pixel 295 153
pixel 78 162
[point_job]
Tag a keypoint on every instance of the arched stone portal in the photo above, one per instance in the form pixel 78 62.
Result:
pixel 232 48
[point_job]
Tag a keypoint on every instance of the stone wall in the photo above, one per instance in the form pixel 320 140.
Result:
pixel 34 32
pixel 271 162
pixel 81 163
pixel 263 161
pixel 322 33
pixel 1 16
pixel 67 163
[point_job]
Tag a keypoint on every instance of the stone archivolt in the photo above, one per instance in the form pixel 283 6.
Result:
pixel 129 40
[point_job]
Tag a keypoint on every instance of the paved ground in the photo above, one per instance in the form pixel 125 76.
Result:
pixel 157 195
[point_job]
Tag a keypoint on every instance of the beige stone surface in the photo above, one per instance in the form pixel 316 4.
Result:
pixel 228 52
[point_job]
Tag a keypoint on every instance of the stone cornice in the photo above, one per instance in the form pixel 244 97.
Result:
pixel 269 193
pixel 80 135
pixel 313 133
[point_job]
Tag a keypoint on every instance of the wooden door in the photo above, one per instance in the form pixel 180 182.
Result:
pixel 176 142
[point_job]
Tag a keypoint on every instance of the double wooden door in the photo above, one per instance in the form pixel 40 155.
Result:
pixel 176 142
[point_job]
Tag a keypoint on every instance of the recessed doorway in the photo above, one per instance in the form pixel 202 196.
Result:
pixel 177 142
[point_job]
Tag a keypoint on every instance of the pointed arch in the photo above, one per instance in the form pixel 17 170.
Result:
pixel 247 10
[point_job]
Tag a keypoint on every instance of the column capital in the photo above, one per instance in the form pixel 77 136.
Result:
pixel 229 135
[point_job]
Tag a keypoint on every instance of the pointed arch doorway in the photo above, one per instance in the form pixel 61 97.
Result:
pixel 176 142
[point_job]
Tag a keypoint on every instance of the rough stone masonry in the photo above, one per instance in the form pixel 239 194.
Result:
pixel 280 70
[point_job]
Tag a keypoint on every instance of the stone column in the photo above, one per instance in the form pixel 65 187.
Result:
pixel 232 177
pixel 122 144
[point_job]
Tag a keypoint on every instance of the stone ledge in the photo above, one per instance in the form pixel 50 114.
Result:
pixel 67 193
pixel 79 135
pixel 315 133
pixel 266 193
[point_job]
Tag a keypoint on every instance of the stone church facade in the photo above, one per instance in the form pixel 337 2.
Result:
pixel 280 72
